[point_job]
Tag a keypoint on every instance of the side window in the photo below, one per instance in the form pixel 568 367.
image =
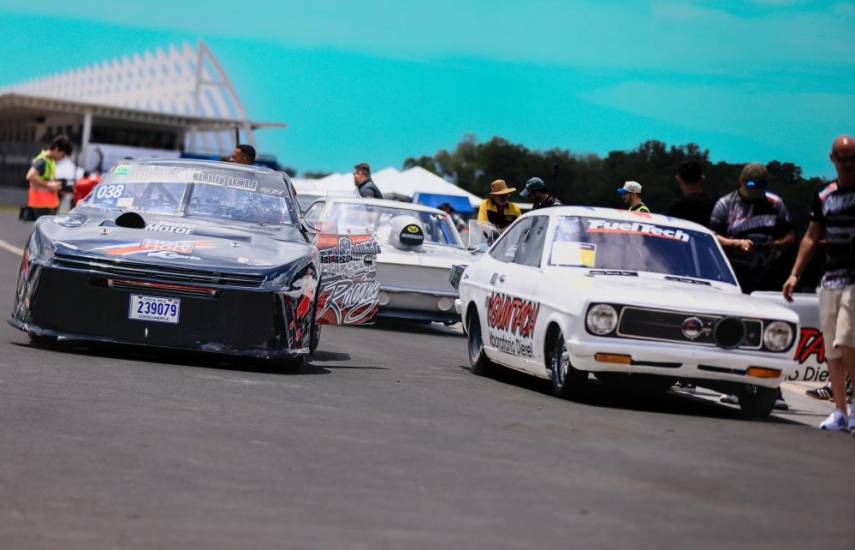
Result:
pixel 530 249
pixel 314 211
pixel 506 249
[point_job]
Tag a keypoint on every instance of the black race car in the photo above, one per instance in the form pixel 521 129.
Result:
pixel 191 255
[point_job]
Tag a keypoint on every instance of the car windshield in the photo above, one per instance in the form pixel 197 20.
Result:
pixel 373 218
pixel 193 192
pixel 602 243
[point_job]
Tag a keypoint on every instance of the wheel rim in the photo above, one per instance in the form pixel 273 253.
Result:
pixel 475 342
pixel 560 361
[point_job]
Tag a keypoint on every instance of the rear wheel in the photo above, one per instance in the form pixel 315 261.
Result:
pixel 566 380
pixel 757 402
pixel 479 363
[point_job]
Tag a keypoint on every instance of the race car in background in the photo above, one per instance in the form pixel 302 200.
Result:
pixel 639 300
pixel 419 244
pixel 192 255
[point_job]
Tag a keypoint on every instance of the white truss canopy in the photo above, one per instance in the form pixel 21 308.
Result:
pixel 186 82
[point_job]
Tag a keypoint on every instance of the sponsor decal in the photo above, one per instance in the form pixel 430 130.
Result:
pixel 412 235
pixel 149 246
pixel 171 227
pixel 169 255
pixel 511 323
pixel 810 355
pixel 636 228
pixel 349 292
pixel 224 180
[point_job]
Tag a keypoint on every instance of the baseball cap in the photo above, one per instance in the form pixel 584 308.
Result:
pixel 630 187
pixel 754 175
pixel 532 185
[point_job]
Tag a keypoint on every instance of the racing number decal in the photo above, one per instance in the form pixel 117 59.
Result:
pixel 511 323
pixel 349 291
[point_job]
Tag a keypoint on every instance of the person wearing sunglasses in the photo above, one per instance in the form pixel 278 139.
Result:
pixel 831 219
pixel 753 226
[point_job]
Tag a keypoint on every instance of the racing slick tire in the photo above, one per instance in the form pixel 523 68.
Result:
pixel 757 402
pixel 41 340
pixel 479 363
pixel 567 381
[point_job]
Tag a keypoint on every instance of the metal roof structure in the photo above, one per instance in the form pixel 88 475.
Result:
pixel 184 87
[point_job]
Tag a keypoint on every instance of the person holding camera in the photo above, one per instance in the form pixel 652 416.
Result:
pixel 43 195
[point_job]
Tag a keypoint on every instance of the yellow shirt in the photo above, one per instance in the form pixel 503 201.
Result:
pixel 488 212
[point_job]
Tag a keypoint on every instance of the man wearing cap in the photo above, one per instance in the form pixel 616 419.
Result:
pixel 497 208
pixel 631 193
pixel 832 213
pixel 753 226
pixel 537 189
pixel 365 186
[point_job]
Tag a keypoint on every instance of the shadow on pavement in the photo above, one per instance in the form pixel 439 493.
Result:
pixel 597 394
pixel 411 327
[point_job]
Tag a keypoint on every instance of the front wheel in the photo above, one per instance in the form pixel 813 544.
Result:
pixel 757 402
pixel 479 363
pixel 566 380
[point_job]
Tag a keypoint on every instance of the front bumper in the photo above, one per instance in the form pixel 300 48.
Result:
pixel 78 305
pixel 679 361
pixel 416 304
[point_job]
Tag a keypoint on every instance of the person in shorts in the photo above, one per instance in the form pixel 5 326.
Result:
pixel 833 220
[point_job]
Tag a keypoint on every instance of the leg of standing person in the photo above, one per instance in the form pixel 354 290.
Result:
pixel 836 329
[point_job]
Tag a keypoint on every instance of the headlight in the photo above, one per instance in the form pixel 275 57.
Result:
pixel 602 319
pixel 778 336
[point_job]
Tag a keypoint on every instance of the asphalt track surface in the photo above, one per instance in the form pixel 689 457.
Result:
pixel 385 441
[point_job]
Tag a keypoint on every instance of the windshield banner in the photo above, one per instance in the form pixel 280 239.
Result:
pixel 636 228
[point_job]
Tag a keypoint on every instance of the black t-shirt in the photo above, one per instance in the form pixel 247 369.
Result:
pixel 696 207
pixel 39 164
pixel 834 209
pixel 551 201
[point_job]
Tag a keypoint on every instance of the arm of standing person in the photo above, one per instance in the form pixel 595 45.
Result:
pixel 718 223
pixel 482 212
pixel 803 258
pixel 34 178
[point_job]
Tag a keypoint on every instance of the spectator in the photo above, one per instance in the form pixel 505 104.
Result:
pixel 631 193
pixel 452 213
pixel 497 208
pixel 537 189
pixel 694 205
pixel 365 186
pixel 43 195
pixel 243 154
pixel 831 216
pixel 84 186
pixel 753 226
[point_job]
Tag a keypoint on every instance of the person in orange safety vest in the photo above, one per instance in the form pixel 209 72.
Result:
pixel 43 196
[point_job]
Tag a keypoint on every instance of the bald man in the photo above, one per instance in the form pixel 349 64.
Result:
pixel 831 218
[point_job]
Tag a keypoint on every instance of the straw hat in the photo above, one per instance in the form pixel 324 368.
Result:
pixel 499 187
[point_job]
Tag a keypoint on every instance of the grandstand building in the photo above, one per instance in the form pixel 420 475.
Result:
pixel 173 102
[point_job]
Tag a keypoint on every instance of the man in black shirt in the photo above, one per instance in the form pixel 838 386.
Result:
pixel 363 182
pixel 753 226
pixel 832 218
pixel 541 197
pixel 694 205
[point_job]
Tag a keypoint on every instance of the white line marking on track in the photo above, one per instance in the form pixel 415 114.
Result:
pixel 10 248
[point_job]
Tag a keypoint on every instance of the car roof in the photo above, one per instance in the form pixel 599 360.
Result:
pixel 619 215
pixel 385 202
pixel 197 163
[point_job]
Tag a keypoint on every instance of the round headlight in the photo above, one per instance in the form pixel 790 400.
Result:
pixel 778 336
pixel 602 319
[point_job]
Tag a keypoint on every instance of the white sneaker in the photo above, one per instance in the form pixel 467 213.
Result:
pixel 852 419
pixel 835 422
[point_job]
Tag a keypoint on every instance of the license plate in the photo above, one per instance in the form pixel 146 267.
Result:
pixel 154 308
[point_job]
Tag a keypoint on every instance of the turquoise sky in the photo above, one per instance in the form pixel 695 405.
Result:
pixel 383 80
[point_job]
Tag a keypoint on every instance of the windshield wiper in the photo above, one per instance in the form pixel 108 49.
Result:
pixel 687 280
pixel 618 272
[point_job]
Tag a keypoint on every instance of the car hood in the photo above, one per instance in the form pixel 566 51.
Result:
pixel 654 291
pixel 181 241
pixel 426 255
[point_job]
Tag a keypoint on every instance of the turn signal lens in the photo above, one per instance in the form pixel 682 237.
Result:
pixel 763 372
pixel 613 358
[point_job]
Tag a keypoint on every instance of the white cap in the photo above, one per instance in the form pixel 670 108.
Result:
pixel 630 187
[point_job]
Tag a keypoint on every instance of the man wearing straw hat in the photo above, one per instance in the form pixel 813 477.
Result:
pixel 496 208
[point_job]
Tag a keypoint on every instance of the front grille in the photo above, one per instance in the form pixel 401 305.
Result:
pixel 667 326
pixel 160 273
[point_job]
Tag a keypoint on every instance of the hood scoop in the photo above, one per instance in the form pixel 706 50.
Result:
pixel 131 220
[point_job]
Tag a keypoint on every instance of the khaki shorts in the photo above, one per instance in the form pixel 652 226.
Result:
pixel 836 316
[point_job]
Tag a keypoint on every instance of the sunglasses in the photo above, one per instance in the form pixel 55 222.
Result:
pixel 755 184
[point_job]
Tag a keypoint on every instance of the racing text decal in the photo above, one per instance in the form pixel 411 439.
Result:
pixel 511 323
pixel 349 287
pixel 636 228
pixel 810 354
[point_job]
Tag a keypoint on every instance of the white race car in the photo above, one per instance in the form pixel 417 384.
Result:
pixel 419 246
pixel 640 300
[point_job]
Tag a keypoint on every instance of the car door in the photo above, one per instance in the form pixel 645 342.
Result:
pixel 348 292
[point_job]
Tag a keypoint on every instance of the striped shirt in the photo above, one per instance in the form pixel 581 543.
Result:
pixel 834 209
